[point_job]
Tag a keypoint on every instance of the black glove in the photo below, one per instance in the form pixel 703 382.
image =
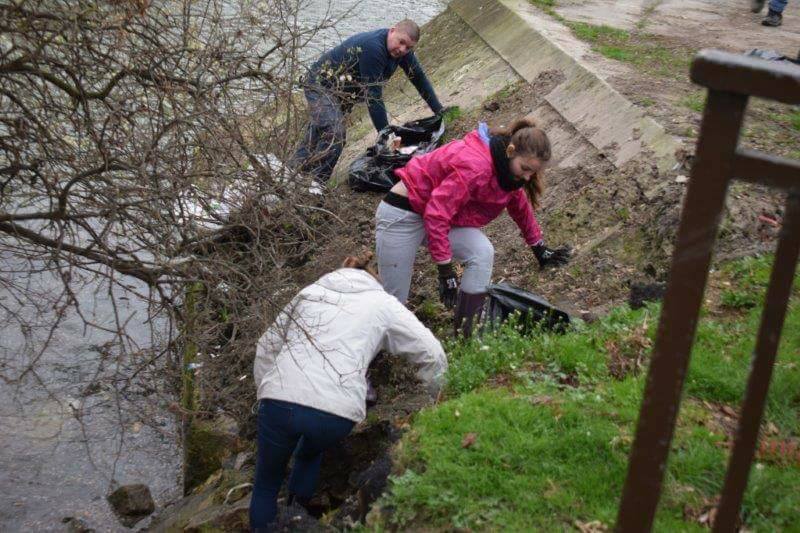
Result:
pixel 549 257
pixel 448 285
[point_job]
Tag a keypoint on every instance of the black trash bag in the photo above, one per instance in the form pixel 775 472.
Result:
pixel 504 300
pixel 373 170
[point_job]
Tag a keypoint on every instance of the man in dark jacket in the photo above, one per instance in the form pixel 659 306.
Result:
pixel 353 72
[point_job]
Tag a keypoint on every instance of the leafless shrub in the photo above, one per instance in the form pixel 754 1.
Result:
pixel 140 161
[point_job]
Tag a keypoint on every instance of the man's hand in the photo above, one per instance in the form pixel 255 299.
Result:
pixel 448 285
pixel 548 257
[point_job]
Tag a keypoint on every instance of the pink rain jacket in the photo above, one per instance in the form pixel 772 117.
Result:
pixel 456 185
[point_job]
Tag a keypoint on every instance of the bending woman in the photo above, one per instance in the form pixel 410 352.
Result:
pixel 447 195
pixel 310 368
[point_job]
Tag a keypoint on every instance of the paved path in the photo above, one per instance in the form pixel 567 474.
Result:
pixel 704 23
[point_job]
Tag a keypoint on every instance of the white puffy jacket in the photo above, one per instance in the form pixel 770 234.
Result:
pixel 317 351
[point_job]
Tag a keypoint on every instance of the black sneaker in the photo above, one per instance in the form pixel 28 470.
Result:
pixel 757 5
pixel 773 19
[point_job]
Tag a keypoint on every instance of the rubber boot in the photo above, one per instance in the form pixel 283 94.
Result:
pixel 468 312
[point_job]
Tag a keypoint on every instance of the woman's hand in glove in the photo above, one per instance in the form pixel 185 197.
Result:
pixel 448 285
pixel 548 257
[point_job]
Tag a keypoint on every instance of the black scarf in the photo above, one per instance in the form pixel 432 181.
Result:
pixel 498 144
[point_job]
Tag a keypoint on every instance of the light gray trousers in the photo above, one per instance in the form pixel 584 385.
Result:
pixel 398 235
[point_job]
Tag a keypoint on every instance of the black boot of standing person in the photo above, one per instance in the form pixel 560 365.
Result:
pixel 774 16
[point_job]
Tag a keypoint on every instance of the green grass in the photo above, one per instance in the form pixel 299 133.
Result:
pixel 553 427
pixel 644 51
pixel 794 120
pixel 452 113
pixel 695 101
pixel 548 6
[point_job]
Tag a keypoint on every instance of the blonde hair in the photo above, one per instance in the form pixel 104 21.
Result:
pixel 530 141
pixel 361 262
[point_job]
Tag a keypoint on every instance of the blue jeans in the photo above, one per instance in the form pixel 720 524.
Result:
pixel 325 135
pixel 777 5
pixel 285 428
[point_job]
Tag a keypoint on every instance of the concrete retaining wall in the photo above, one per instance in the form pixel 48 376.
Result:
pixel 532 43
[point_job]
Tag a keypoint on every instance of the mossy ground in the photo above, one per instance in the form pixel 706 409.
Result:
pixel 535 432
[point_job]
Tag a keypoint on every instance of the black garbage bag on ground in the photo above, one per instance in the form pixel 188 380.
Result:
pixel 373 170
pixel 504 300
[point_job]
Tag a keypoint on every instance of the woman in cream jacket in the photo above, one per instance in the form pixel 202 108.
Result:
pixel 310 369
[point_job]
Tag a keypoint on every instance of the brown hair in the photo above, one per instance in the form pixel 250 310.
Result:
pixel 361 262
pixel 410 28
pixel 528 140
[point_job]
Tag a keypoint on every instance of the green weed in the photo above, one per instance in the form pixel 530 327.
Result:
pixel 642 50
pixel 452 113
pixel 548 6
pixel 696 102
pixel 794 120
pixel 738 300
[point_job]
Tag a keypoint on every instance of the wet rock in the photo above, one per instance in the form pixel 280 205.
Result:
pixel 218 491
pixel 132 503
pixel 296 519
pixel 210 444
pixel 76 525
pixel 238 492
pixel 243 459
pixel 230 517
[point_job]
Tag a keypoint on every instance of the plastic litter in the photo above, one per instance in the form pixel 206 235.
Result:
pixel 505 299
pixel 395 147
pixel 773 55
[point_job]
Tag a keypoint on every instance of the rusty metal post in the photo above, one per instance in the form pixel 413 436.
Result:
pixel 777 300
pixel 712 171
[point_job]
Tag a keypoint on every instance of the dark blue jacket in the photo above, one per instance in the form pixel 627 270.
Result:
pixel 358 68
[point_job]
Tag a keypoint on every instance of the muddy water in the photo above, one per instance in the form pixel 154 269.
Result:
pixel 72 429
pixel 361 15
pixel 66 434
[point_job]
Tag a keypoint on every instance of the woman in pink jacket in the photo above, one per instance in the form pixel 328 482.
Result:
pixel 447 195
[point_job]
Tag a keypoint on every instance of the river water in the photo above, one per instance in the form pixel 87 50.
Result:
pixel 66 435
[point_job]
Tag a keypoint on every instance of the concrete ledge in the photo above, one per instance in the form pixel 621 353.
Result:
pixel 532 43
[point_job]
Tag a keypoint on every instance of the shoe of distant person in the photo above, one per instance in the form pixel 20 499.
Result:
pixel 773 19
pixel 757 5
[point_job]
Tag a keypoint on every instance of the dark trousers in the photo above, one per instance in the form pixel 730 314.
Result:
pixel 284 428
pixel 324 139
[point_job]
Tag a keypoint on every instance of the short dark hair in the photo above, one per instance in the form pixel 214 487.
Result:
pixel 410 28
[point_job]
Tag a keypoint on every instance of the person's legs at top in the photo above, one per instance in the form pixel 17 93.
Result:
pixel 320 431
pixel 276 442
pixel 475 251
pixel 775 14
pixel 398 235
pixel 324 138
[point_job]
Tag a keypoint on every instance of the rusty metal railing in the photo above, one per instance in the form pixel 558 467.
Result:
pixel 731 79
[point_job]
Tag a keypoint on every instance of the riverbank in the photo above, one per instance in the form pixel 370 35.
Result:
pixel 616 200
